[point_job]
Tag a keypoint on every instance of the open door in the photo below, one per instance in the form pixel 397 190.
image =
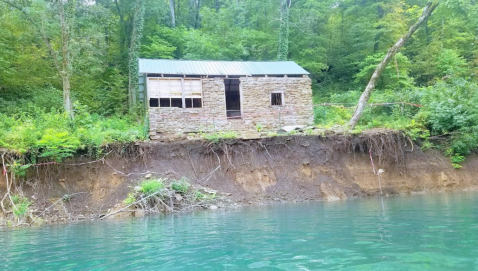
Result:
pixel 233 98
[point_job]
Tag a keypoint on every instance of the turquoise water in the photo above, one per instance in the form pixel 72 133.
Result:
pixel 426 232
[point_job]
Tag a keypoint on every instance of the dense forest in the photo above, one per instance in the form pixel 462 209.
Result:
pixel 65 58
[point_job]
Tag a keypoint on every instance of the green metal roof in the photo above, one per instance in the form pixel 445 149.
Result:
pixel 192 67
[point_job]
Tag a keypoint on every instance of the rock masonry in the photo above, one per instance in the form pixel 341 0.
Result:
pixel 257 110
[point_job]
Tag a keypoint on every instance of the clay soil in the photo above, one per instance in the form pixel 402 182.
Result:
pixel 245 172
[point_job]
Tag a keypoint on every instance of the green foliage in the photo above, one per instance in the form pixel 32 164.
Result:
pixel 332 115
pixel 448 108
pixel 216 137
pixel 130 199
pixel 52 135
pixel 158 48
pixel 451 106
pixel 416 132
pixel 151 186
pixel 181 186
pixel 456 160
pixel 20 205
pixel 57 145
pixel 203 197
pixel 259 127
pixel 394 76
pixel 449 63
pixel 18 168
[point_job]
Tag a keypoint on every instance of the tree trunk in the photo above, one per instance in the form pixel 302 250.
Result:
pixel 67 105
pixel 283 50
pixel 196 19
pixel 66 61
pixel 380 13
pixel 362 103
pixel 173 17
pixel 133 55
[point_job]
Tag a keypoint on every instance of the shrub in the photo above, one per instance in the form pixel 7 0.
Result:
pixel 180 186
pixel 456 160
pixel 130 199
pixel 201 196
pixel 151 186
pixel 21 205
pixel 57 145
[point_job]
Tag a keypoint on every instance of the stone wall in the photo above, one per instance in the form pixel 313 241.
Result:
pixel 256 108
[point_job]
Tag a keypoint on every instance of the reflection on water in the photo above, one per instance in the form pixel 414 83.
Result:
pixel 426 232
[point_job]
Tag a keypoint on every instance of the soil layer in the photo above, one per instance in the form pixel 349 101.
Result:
pixel 261 171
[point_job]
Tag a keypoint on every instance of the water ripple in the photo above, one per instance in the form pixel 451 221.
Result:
pixel 436 232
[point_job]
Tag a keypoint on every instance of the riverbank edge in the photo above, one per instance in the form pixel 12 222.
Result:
pixel 244 172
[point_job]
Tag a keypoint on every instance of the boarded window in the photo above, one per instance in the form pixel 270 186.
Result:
pixel 192 93
pixel 175 92
pixel 277 98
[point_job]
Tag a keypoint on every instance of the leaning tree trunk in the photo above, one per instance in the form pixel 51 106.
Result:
pixel 362 103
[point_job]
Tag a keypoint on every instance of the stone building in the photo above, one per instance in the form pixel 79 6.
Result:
pixel 212 96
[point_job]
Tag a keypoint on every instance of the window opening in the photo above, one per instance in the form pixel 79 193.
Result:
pixel 233 98
pixel 154 102
pixel 165 102
pixel 277 98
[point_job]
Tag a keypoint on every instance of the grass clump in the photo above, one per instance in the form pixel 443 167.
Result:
pixel 180 186
pixel 130 199
pixel 20 205
pixel 151 186
pixel 215 137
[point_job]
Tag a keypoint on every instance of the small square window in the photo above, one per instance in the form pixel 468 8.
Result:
pixel 193 102
pixel 176 102
pixel 189 102
pixel 165 102
pixel 277 98
pixel 197 102
pixel 154 102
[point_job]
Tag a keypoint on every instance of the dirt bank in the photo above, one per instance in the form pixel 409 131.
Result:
pixel 285 168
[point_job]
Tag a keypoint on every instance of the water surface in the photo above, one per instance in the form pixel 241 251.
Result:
pixel 425 232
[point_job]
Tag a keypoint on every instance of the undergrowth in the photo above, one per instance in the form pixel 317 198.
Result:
pixel 53 136
pixel 20 205
pixel 217 136
pixel 446 110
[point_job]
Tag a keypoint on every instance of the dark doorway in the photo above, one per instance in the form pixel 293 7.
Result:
pixel 233 98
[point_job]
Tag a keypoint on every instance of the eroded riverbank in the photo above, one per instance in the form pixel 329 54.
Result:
pixel 244 172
